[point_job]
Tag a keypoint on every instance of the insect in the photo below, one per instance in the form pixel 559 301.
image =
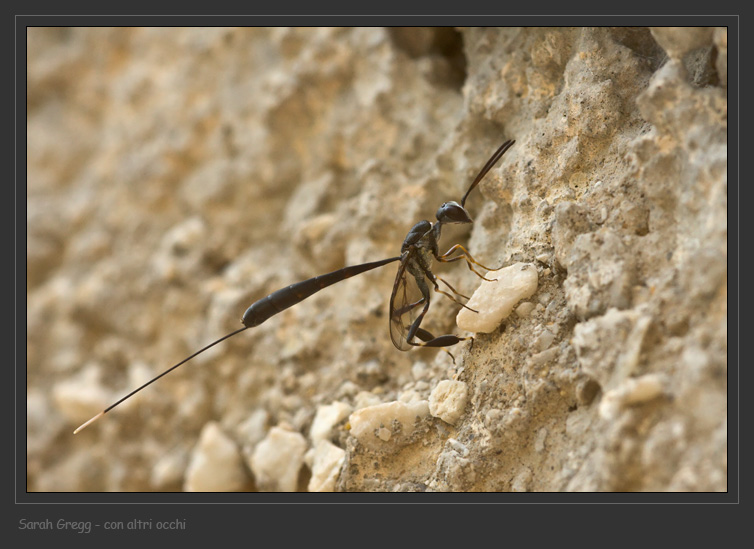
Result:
pixel 410 290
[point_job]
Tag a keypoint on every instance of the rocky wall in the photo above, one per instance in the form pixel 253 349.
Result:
pixel 177 175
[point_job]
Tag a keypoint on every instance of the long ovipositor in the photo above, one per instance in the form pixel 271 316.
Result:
pixel 263 309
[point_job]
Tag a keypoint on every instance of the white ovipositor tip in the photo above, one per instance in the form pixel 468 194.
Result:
pixel 95 418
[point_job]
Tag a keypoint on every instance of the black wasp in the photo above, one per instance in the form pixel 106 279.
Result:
pixel 419 249
pixel 410 290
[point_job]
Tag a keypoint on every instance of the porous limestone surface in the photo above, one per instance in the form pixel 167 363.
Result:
pixel 176 175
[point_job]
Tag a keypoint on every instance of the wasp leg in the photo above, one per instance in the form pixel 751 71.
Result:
pixel 445 258
pixel 417 322
pixel 434 278
pixel 451 287
pixel 440 341
pixel 427 339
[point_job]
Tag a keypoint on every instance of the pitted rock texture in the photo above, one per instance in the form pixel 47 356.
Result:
pixel 177 175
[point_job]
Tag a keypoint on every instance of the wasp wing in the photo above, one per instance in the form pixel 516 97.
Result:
pixel 405 303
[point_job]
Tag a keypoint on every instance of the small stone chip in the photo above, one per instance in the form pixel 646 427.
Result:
pixel 495 300
pixel 525 309
pixel 216 464
pixel 326 418
pixel 276 460
pixel 631 392
pixel 326 463
pixel 448 400
pixel 390 424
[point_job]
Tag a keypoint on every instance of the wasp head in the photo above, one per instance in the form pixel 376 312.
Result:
pixel 452 212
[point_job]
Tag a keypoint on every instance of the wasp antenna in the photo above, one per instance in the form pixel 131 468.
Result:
pixel 487 167
pixel 132 393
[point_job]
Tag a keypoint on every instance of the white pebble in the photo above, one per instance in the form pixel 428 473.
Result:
pixel 642 389
pixel 394 422
pixel 216 464
pixel 347 389
pixel 253 428
pixel 543 340
pixel 409 396
pixel 525 309
pixel 459 448
pixel 515 419
pixel 521 481
pixel 326 418
pixel 277 460
pixel 495 300
pixel 168 470
pixel 365 399
pixel 326 464
pixel 419 370
pixel 422 385
pixel 544 357
pixel 632 391
pixel 539 441
pixel 448 400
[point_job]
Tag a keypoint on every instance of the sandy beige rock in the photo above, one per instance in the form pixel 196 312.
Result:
pixel 216 464
pixel 277 460
pixel 176 175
